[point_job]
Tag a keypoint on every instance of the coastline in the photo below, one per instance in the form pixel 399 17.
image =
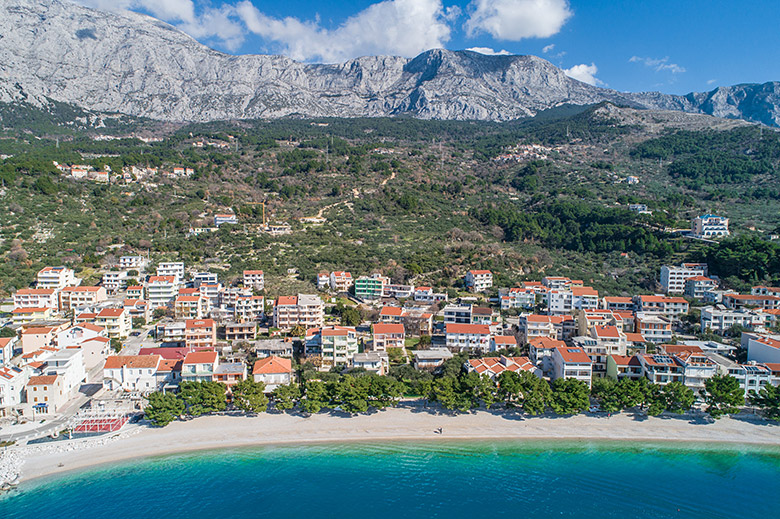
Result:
pixel 391 425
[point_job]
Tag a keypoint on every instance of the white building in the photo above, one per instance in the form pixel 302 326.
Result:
pixel 710 226
pixel 673 278
pixel 479 280
pixel 468 337
pixel 174 268
pixel 133 263
pixel 13 380
pixel 564 301
pixel 340 281
pixel 114 281
pixel 511 298
pixel 131 373
pixel 116 321
pixel 304 309
pixel 36 298
pixel 427 295
pixel 718 318
pixel 572 362
pixel 273 372
pixel 762 348
pixel 69 365
pixel 254 279
pixel 335 344
pixel 220 219
pixel 161 291
pixel 57 278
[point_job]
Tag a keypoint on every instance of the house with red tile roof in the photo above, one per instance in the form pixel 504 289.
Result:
pixel 36 298
pixel 388 335
pixel 200 333
pixel 46 394
pixel 467 337
pixel 131 373
pixel 572 362
pixel 273 372
pixel 80 297
pixel 479 280
pixel 494 366
pixel 116 321
pixel 502 342
pixel 199 366
pixel 335 345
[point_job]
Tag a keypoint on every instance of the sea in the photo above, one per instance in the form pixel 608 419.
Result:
pixel 409 480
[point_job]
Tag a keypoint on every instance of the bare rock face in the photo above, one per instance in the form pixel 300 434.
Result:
pixel 137 65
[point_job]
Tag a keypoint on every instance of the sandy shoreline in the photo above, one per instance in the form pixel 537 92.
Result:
pixel 223 432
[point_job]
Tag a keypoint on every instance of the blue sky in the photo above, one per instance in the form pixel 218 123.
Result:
pixel 670 46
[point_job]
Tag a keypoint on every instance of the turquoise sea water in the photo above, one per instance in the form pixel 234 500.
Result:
pixel 403 480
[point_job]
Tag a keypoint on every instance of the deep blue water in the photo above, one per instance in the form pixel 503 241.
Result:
pixel 404 480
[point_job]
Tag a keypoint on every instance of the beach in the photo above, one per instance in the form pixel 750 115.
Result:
pixel 397 424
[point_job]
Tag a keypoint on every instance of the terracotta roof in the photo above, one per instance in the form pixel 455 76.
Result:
pixel 623 360
pixel 4 341
pixel 336 331
pixel 35 291
pixel 38 330
pixel 201 357
pixel 388 328
pixel 187 299
pixel 111 312
pixel 132 361
pixel 271 365
pixel 479 272
pixel 479 329
pixel 42 380
pixel 162 279
pixel 573 355
pixel 546 343
pixel 584 291
pixel 81 289
pixel 253 272
pixel 287 301
pixel 673 349
pixel 607 331
pixel 391 311
pixel 617 299
pixel 199 323
pixel 662 299
pixel 699 278
pixel 505 339
pixel 635 337
pixel 30 310
pixel 481 310
pixel 167 365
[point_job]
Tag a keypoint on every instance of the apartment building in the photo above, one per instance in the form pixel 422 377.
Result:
pixel 36 298
pixel 116 322
pixel 199 366
pixel 200 333
pixel 249 308
pixel 431 359
pixel 654 328
pixel 391 314
pixel 189 307
pixel 114 281
pixel 560 327
pixel 336 345
pixel 244 331
pixel 56 278
pixel 229 218
pixel 273 372
pixel 371 287
pixel 697 367
pixel 565 301
pixel 671 307
pixel 304 309
pixel 502 342
pixel 28 315
pixel 131 373
pixel 479 280
pixel 13 380
pixel 494 366
pixel 427 295
pixel 766 302
pixel 204 278
pixel 373 361
pixel 254 279
pixel 673 278
pixel 388 336
pixel 620 304
pixel 523 298
pixel 340 281
pixel 572 362
pixel 161 291
pixel 172 268
pixel 622 366
pixel 541 350
pixel 482 315
pixel 718 318
pixel 80 297
pixel 765 291
pixel 710 226
pixel 467 337
pixel 696 286
pixel 460 314
pixel 323 281
pixel 133 263
pixel 762 348
pixel 661 369
pixel 45 394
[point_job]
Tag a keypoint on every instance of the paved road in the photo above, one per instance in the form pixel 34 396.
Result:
pixel 132 345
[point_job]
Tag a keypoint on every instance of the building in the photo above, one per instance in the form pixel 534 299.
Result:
pixel 673 278
pixel 374 361
pixel 494 366
pixel 391 314
pixel 56 278
pixel 388 336
pixel 671 307
pixel 254 279
pixel 246 331
pixel 335 345
pixel 69 365
pixel 431 359
pixel 274 347
pixel 189 307
pixel 697 367
pixel 133 263
pixel 467 337
pixel 765 291
pixel 199 366
pixel 116 321
pixel 619 304
pixel 131 373
pixel 13 380
pixel 273 372
pixel 459 314
pixel 114 280
pixel 427 295
pixel 523 298
pixel 710 226
pixel 45 394
pixel 571 362
pixel 762 348
pixel 7 345
pixel 766 302
pixel 661 369
pixel 565 301
pixel 34 338
pixel 230 373
pixel 135 292
pixel 161 291
pixel 751 376
pixel 481 315
pixel 302 310
pixel 502 342
pixel 36 298
pixel 479 280
pixel 323 281
pixel 220 219
pixel 249 308
pixel 718 319
pixel 621 366
pixel 340 281
pixel 654 328
pixel 172 268
pixel 79 297
pixel 371 287
pixel 22 316
pixel 560 327
pixel 696 286
pixel 200 333
pixel 203 278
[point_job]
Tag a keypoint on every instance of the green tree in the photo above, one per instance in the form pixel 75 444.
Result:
pixel 7 332
pixel 163 408
pixel 723 395
pixel 286 396
pixel 203 397
pixel 384 391
pixel 351 394
pixel 679 398
pixel 249 396
pixel 116 345
pixel 569 396
pixel 606 392
pixel 350 316
pixel 632 393
pixel 315 397
pixel 768 400
pixel 448 392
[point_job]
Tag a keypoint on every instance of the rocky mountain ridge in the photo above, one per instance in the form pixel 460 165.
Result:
pixel 137 65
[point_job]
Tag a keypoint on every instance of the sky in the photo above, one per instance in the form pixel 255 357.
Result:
pixel 630 45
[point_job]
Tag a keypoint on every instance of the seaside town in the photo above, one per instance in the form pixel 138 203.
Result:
pixel 162 338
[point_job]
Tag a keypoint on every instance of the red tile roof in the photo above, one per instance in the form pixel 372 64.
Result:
pixel 477 329
pixel 132 361
pixel 573 355
pixel 270 365
pixel 381 328
pixel 201 357
pixel 42 380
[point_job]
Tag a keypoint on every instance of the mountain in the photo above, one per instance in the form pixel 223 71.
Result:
pixel 54 50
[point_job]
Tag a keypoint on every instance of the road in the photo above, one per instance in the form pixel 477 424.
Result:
pixel 132 345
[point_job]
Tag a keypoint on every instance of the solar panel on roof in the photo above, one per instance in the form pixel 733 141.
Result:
pixel 662 359
pixel 753 369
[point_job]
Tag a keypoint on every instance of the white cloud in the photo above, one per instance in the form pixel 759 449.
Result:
pixel 515 20
pixel 659 64
pixel 399 27
pixel 585 73
pixel 490 52
pixel 548 48
pixel 219 24
pixel 712 81
pixel 168 10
